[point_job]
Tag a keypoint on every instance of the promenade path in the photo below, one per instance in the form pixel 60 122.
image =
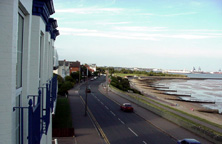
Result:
pixel 85 132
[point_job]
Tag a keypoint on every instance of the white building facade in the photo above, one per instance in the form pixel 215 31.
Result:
pixel 63 68
pixel 93 67
pixel 27 86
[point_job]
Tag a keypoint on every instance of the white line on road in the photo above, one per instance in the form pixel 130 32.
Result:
pixel 121 121
pixel 102 103
pixel 132 131
pixel 113 113
pixel 144 142
pixel 106 107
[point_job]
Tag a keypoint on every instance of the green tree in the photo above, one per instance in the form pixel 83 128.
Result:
pixel 69 78
pixel 111 70
pixel 101 70
pixel 75 76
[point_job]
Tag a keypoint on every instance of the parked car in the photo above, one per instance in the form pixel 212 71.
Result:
pixel 126 107
pixel 188 141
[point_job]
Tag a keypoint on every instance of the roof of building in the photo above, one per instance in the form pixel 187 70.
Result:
pixel 74 64
pixel 61 63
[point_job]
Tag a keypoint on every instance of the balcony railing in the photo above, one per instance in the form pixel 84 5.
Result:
pixel 39 112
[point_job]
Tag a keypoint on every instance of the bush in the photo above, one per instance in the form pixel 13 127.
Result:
pixel 60 79
pixel 122 84
pixel 69 78
pixel 63 89
pixel 65 85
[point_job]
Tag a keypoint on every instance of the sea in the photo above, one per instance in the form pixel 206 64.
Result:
pixel 207 87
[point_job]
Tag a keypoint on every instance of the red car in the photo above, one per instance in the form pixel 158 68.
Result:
pixel 126 107
pixel 188 141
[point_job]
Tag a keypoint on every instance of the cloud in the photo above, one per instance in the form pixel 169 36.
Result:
pixel 140 28
pixel 95 33
pixel 90 10
pixel 71 30
pixel 147 14
pixel 136 33
pixel 188 36
pixel 112 23
pixel 176 14
pixel 185 52
pixel 168 15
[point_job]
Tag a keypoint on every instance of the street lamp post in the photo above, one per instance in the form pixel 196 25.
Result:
pixel 107 74
pixel 86 92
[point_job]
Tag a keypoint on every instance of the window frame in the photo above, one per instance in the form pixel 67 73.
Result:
pixel 19 88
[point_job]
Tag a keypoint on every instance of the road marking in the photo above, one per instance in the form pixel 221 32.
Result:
pixel 96 123
pixel 113 113
pixel 132 131
pixel 102 103
pixel 106 107
pixel 121 121
pixel 144 142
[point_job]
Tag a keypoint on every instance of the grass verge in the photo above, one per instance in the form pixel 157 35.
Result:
pixel 62 117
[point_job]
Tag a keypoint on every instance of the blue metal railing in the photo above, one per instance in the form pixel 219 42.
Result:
pixel 53 91
pixel 47 108
pixel 38 114
pixel 34 126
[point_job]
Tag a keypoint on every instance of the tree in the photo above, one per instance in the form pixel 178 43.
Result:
pixel 101 70
pixel 75 76
pixel 111 70
pixel 69 78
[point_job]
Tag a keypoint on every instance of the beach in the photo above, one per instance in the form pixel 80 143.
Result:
pixel 150 88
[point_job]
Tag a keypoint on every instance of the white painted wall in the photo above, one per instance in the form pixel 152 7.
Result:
pixel 7 75
pixel 33 28
pixel 8 57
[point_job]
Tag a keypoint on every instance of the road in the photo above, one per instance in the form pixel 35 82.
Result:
pixel 121 127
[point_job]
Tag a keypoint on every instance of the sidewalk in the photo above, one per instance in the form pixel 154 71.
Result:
pixel 85 132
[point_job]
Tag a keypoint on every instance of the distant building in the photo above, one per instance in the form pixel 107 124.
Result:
pixel 74 66
pixel 63 68
pixel 89 68
pixel 92 67
pixel 157 70
pixel 55 60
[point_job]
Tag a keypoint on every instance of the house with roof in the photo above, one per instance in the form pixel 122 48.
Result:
pixel 74 66
pixel 63 68
pixel 93 67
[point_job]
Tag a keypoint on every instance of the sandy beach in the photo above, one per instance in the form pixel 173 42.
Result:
pixel 145 86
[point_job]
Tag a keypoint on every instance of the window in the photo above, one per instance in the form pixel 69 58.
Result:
pixel 19 61
pixel 40 57
pixel 19 51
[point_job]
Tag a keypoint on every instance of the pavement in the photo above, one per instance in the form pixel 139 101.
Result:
pixel 85 131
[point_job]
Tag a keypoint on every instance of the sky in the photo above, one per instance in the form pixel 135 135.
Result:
pixel 166 34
